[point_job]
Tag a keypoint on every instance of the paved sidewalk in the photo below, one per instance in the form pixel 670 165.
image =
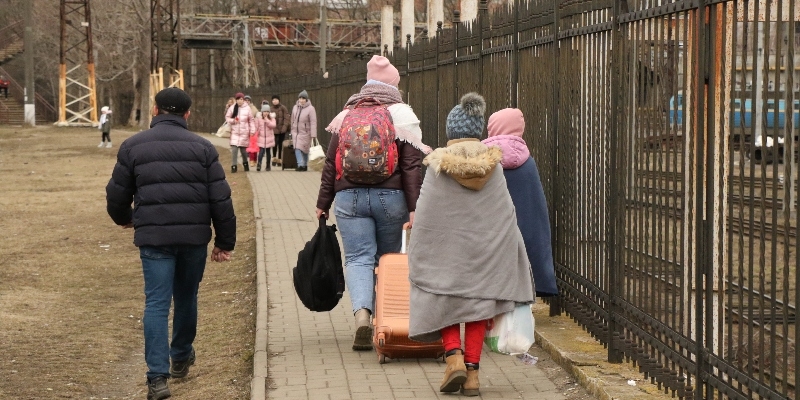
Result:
pixel 303 355
pixel 309 355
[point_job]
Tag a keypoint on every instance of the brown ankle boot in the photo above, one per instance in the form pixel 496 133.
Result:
pixel 472 385
pixel 455 374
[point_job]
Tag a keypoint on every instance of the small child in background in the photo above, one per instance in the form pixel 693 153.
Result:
pixel 266 135
pixel 252 148
pixel 105 127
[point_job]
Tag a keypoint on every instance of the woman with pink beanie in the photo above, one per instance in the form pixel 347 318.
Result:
pixel 506 128
pixel 370 217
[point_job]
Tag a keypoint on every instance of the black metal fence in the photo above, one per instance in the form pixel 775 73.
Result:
pixel 665 133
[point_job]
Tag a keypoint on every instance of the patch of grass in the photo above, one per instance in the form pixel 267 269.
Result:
pixel 71 288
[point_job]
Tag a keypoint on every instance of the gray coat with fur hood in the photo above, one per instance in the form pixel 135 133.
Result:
pixel 467 259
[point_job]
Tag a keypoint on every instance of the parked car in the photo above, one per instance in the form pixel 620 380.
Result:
pixel 741 115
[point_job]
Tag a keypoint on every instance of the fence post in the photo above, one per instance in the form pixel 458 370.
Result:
pixel 555 303
pixel 515 53
pixel 456 26
pixel 702 262
pixel 408 66
pixel 483 12
pixel 615 234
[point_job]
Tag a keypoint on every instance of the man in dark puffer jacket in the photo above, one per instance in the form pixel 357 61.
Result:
pixel 178 189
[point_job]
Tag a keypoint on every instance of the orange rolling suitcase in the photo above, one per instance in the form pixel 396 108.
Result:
pixel 390 323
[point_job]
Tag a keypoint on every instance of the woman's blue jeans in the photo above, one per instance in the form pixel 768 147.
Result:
pixel 302 158
pixel 370 221
pixel 170 272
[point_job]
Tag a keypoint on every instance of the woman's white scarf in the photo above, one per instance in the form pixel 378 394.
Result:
pixel 388 95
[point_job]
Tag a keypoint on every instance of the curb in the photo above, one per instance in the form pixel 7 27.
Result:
pixel 258 385
pixel 583 357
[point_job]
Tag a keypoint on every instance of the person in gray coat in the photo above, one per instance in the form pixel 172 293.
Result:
pixel 467 260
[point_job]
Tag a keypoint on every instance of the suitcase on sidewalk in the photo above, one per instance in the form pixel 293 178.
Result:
pixel 288 159
pixel 391 320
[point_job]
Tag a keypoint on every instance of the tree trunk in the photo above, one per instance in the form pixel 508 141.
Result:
pixel 136 95
pixel 144 98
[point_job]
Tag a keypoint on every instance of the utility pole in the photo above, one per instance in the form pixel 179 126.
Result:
pixel 30 105
pixel 323 34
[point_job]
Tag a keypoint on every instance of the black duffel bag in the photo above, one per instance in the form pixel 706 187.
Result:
pixel 318 276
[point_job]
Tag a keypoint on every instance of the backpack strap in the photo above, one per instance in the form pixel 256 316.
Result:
pixel 368 98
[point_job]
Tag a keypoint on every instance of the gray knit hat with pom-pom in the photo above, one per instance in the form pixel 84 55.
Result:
pixel 466 119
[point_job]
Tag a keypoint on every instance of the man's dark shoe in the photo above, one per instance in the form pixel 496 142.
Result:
pixel 258 167
pixel 233 169
pixel 157 388
pixel 246 167
pixel 180 369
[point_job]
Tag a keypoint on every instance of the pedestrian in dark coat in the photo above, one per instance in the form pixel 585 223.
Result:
pixel 506 128
pixel 178 189
pixel 283 122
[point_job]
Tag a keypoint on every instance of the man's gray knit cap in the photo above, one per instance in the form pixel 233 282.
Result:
pixel 466 119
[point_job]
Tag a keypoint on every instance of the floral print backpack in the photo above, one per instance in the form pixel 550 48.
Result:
pixel 367 152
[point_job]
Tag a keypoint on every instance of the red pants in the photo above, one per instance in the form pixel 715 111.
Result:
pixel 473 339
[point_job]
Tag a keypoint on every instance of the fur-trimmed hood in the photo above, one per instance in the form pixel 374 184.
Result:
pixel 468 161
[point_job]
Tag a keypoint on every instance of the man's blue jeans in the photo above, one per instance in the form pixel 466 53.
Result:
pixel 302 158
pixel 170 272
pixel 370 221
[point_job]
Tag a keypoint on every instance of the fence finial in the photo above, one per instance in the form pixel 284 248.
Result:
pixel 408 39
pixel 456 16
pixel 386 50
pixel 483 5
pixel 424 33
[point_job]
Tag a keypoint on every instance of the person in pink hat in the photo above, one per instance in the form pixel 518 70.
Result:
pixel 506 128
pixel 370 217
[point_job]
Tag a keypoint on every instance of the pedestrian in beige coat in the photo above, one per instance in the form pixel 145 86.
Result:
pixel 304 128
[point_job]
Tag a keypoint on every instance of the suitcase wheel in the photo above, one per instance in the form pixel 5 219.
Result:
pixel 381 359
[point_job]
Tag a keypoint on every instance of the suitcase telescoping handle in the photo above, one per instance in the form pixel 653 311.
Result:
pixel 404 243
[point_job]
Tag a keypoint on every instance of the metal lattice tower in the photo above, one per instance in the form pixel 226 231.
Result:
pixel 77 103
pixel 164 46
pixel 245 73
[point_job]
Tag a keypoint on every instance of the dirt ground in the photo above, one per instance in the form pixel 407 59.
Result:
pixel 71 299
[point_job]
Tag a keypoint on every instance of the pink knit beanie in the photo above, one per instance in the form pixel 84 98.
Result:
pixel 508 121
pixel 380 69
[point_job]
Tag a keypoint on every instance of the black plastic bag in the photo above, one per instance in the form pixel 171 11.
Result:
pixel 318 276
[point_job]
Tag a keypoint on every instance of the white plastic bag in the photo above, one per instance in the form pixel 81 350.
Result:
pixel 316 151
pixel 512 332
